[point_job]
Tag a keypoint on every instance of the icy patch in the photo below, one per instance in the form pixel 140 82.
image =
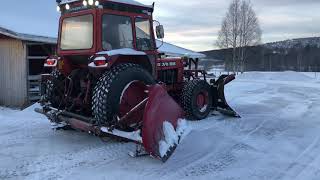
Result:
pixel 172 136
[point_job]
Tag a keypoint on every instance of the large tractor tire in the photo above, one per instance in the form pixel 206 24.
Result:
pixel 196 99
pixel 108 93
pixel 54 89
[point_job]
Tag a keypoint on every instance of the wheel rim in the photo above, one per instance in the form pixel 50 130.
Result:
pixel 202 101
pixel 133 94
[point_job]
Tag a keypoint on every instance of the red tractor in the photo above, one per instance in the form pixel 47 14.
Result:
pixel 110 80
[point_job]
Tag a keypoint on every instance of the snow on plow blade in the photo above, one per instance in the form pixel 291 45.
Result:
pixel 160 132
pixel 219 101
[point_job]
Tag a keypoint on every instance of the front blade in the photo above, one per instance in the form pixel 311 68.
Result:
pixel 160 119
pixel 221 102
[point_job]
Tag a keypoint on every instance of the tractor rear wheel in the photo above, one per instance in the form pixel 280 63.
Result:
pixel 54 88
pixel 196 99
pixel 118 91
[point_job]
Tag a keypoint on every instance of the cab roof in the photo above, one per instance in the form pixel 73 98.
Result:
pixel 130 2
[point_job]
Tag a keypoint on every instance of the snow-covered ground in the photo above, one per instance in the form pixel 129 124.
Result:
pixel 277 138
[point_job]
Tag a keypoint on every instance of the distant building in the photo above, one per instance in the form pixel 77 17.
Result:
pixel 22 57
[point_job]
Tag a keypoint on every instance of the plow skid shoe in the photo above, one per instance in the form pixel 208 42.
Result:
pixel 160 121
pixel 221 104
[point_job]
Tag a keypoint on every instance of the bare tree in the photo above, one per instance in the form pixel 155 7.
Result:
pixel 240 28
pixel 250 31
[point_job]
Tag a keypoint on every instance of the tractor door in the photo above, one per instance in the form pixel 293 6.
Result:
pixel 145 40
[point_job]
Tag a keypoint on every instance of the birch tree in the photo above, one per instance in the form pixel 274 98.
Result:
pixel 240 28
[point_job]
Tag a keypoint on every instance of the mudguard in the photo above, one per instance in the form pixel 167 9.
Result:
pixel 160 110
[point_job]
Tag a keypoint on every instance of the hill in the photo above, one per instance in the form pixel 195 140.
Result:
pixel 302 54
pixel 292 43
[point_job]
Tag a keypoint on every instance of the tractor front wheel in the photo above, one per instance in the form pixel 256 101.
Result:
pixel 196 99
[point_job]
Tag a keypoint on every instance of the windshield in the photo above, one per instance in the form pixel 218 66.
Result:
pixel 77 33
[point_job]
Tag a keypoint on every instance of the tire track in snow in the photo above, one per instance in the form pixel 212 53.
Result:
pixel 89 157
pixel 303 161
pixel 212 161
pixel 55 166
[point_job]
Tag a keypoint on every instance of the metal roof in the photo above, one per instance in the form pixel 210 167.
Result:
pixel 27 37
pixel 173 50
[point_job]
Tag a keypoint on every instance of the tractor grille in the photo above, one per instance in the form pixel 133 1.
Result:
pixel 168 76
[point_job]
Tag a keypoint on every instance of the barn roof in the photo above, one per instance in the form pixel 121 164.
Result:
pixel 27 37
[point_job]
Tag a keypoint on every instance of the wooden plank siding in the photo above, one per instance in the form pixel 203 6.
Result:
pixel 13 73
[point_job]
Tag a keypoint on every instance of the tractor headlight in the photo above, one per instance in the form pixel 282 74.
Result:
pixel 96 3
pixel 67 6
pixel 90 2
pixel 85 3
pixel 58 8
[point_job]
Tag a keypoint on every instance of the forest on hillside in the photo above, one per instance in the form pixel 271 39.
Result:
pixel 274 57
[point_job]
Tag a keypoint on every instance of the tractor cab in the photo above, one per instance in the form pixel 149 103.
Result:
pixel 89 27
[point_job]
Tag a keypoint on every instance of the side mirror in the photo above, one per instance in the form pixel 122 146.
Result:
pixel 160 32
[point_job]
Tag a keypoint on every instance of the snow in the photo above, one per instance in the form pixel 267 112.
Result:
pixel 277 137
pixel 171 138
pixel 123 51
pixel 135 136
pixel 167 48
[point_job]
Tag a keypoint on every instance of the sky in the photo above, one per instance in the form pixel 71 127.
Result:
pixel 193 24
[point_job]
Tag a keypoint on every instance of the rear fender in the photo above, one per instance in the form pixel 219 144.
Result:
pixel 142 60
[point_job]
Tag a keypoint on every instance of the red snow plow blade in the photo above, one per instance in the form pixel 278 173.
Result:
pixel 161 109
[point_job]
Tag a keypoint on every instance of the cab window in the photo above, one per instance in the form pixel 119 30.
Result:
pixel 77 33
pixel 116 32
pixel 144 41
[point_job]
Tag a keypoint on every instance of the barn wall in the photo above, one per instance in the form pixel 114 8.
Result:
pixel 13 73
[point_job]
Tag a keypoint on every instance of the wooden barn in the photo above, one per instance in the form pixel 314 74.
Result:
pixel 22 57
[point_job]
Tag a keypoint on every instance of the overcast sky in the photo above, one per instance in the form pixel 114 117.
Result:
pixel 192 24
